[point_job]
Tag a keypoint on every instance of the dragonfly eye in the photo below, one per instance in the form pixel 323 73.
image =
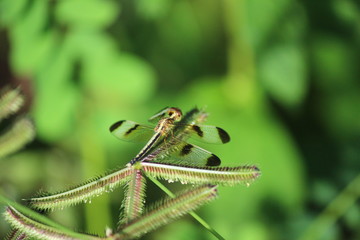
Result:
pixel 175 113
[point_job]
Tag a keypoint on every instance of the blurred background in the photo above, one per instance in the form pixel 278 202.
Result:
pixel 281 76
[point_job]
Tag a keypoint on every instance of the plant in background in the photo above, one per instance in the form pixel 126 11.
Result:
pixel 160 159
pixel 21 131
pixel 287 73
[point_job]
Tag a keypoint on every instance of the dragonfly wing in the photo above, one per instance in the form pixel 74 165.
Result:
pixel 131 131
pixel 189 154
pixel 157 116
pixel 172 112
pixel 209 134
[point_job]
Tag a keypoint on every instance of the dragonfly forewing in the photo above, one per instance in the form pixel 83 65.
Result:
pixel 208 134
pixel 131 131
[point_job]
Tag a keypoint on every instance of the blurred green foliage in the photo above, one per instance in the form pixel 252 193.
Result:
pixel 282 77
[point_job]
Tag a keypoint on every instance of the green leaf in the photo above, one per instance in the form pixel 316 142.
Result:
pixel 346 10
pixel 10 10
pixel 30 43
pixel 335 63
pixel 262 16
pixel 56 95
pixel 86 13
pixel 283 73
pixel 60 104
pixel 154 9
pixel 125 77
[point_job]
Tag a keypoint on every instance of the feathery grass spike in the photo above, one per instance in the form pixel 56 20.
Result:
pixel 35 216
pixel 38 230
pixel 192 213
pixel 10 102
pixel 201 175
pixel 168 210
pixel 82 193
pixel 170 158
pixel 14 139
pixel 15 234
pixel 134 197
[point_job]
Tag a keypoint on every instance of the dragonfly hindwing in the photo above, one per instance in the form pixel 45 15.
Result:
pixel 209 134
pixel 189 154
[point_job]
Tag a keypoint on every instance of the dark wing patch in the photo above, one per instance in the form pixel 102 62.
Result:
pixel 198 130
pixel 186 149
pixel 213 160
pixel 116 125
pixel 191 155
pixel 132 129
pixel 223 135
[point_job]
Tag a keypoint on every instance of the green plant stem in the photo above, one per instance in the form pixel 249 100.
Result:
pixel 192 213
pixel 93 157
pixel 334 210
pixel 240 82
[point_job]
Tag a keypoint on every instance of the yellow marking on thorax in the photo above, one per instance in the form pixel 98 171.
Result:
pixel 166 124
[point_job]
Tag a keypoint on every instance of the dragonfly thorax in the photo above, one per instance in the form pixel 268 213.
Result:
pixel 166 123
pixel 164 126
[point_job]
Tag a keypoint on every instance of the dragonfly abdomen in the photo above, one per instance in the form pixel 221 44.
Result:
pixel 146 149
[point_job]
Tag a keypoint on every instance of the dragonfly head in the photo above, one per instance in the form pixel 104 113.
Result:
pixel 175 113
pixel 172 113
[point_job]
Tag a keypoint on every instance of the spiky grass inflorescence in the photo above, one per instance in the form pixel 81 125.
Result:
pixel 22 131
pixel 19 134
pixel 201 175
pixel 38 230
pixel 10 101
pixel 82 193
pixel 15 234
pixel 168 210
pixel 134 201
pixel 133 223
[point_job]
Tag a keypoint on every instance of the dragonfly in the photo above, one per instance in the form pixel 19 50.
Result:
pixel 172 132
